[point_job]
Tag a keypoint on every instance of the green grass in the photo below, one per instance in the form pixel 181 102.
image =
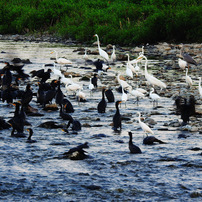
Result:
pixel 120 22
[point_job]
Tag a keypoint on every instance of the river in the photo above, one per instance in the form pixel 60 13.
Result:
pixel 163 172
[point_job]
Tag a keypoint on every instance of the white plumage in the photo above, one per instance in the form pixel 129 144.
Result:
pixel 188 78
pixel 154 96
pixel 102 53
pixel 123 83
pixel 113 55
pixel 61 61
pixel 144 126
pixel 56 71
pixel 182 63
pixel 151 79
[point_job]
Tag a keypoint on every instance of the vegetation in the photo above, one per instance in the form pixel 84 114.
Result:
pixel 119 22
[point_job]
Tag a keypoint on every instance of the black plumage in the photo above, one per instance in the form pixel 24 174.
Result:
pixel 98 64
pixel 149 140
pixel 133 148
pixel 102 104
pixel 187 57
pixel 76 125
pixel 109 95
pixel 77 153
pixel 68 107
pixel 64 115
pixel 17 122
pixel 29 139
pixel 27 96
pixel 59 94
pixel 94 80
pixel 117 119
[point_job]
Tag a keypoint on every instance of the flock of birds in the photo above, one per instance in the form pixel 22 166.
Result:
pixel 49 91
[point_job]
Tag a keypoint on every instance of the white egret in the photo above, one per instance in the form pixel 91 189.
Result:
pixel 199 87
pixel 81 96
pixel 144 126
pixel 91 86
pixel 61 61
pixel 123 83
pixel 73 87
pixel 85 56
pixel 124 96
pixel 137 94
pixel 182 63
pixel 56 71
pixel 129 71
pixel 130 65
pixel 102 53
pixel 66 81
pixel 151 79
pixel 188 79
pixel 154 96
pixel 113 55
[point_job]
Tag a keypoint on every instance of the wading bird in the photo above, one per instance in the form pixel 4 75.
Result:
pixel 151 79
pixel 113 55
pixel 154 97
pixel 188 79
pixel 117 117
pixel 144 126
pixel 186 57
pixel 102 53
pixel 61 61
pixel 133 148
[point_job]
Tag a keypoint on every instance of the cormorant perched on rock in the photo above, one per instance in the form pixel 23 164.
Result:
pixel 94 80
pixel 27 96
pixel 133 148
pixel 68 107
pixel 149 140
pixel 76 153
pixel 102 104
pixel 185 109
pixel 76 125
pixel 109 95
pixel 117 117
pixel 59 94
pixel 17 122
pixel 98 64
pixel 64 115
pixel 42 74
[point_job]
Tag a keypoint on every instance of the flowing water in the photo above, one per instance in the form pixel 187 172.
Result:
pixel 32 172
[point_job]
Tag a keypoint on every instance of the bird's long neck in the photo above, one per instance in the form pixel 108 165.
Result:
pixel 128 58
pixel 103 94
pixel 98 42
pixel 30 135
pixel 117 107
pixel 131 138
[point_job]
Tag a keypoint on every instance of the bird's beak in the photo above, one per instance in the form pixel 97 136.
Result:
pixel 139 58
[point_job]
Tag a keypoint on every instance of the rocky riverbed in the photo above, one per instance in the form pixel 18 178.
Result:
pixel 169 171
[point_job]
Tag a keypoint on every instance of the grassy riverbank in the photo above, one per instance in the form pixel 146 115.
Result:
pixel 119 22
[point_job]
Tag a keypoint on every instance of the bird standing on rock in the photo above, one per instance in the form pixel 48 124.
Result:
pixel 186 57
